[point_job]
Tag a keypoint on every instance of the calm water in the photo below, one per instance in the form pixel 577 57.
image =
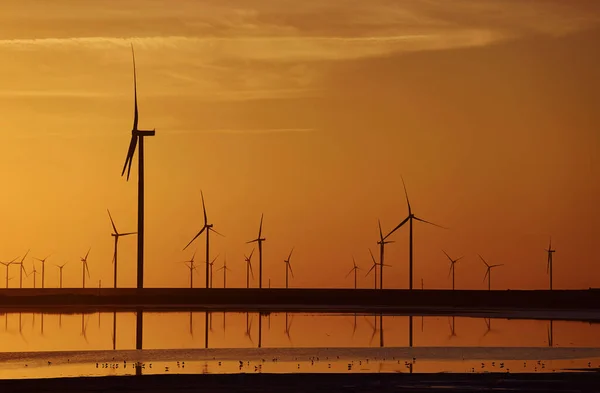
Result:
pixel 49 345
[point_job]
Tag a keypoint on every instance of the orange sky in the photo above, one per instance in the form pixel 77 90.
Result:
pixel 309 113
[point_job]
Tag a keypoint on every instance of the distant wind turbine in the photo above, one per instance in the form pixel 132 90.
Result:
pixel 224 268
pixel 249 271
pixel 260 241
pixel 137 135
pixel 60 272
pixel 451 322
pixel 22 269
pixel 34 272
pixel 488 272
pixel 116 235
pixel 248 332
pixel 452 268
pixel 382 242
pixel 410 218
pixel 210 265
pixel 43 269
pixel 207 227
pixel 373 268
pixel 354 269
pixel 192 267
pixel 288 326
pixel 85 267
pixel 7 264
pixel 288 268
pixel 550 251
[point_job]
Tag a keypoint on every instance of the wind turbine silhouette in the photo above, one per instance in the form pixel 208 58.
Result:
pixel 84 323
pixel 249 268
pixel 373 268
pixel 137 135
pixel 550 251
pixel 382 242
pixel 288 267
pixel 260 241
pixel 7 264
pixel 208 227
pixel 288 326
pixel 85 267
pixel 488 272
pixel 192 267
pixel 354 269
pixel 60 272
pixel 34 272
pixel 43 268
pixel 248 332
pixel 373 326
pixel 211 264
pixel 452 268
pixel 451 323
pixel 410 218
pixel 22 269
pixel 224 268
pixel 116 235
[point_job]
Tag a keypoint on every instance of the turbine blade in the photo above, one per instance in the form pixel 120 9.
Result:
pixel 429 222
pixel 88 253
pixel 127 233
pixel 251 271
pixel 487 272
pixel 289 256
pixel 252 252
pixel 135 111
pixel 112 222
pixel 447 255
pixel 129 158
pixel 220 234
pixel 372 257
pixel 349 273
pixel 497 265
pixel 406 195
pixel 397 227
pixel 380 232
pixel 252 241
pixel 260 227
pixel 23 259
pixel 450 272
pixel 204 208
pixel 483 260
pixel 372 267
pixel 291 271
pixel 195 237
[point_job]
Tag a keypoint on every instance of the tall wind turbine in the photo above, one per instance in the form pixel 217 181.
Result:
pixel 381 242
pixel 550 251
pixel 7 264
pixel 60 271
pixel 85 267
pixel 192 267
pixel 288 268
pixel 43 268
pixel 354 269
pixel 207 227
pixel 410 218
pixel 34 272
pixel 249 271
pixel 137 135
pixel 260 241
pixel 116 235
pixel 224 268
pixel 373 268
pixel 488 272
pixel 452 268
pixel 22 269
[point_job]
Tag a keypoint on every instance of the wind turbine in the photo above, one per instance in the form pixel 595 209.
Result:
pixel 249 271
pixel 43 268
pixel 452 268
pixel 116 235
pixel 85 267
pixel 488 272
pixel 208 227
pixel 22 269
pixel 60 268
pixel 210 265
pixel 224 268
pixel 410 218
pixel 192 267
pixel 288 267
pixel 7 264
pixel 34 272
pixel 382 242
pixel 260 241
pixel 550 251
pixel 354 269
pixel 373 267
pixel 248 332
pixel 451 323
pixel 288 326
pixel 137 135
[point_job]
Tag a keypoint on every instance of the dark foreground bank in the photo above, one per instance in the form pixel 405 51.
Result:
pixel 291 383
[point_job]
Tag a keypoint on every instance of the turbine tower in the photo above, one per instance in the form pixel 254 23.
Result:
pixel 410 218
pixel 260 241
pixel 354 269
pixel 116 235
pixel 382 242
pixel 488 272
pixel 288 268
pixel 43 268
pixel 137 135
pixel 452 268
pixel 249 271
pixel 207 227
pixel 550 251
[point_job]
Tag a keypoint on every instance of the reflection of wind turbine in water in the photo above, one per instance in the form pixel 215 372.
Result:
pixel 550 252
pixel 249 271
pixel 354 269
pixel 84 323
pixel 488 325
pixel 206 227
pixel 551 333
pixel 114 331
pixel 488 272
pixel 452 268
pixel 248 332
pixel 116 235
pixel 288 326
pixel 452 324
pixel 373 326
